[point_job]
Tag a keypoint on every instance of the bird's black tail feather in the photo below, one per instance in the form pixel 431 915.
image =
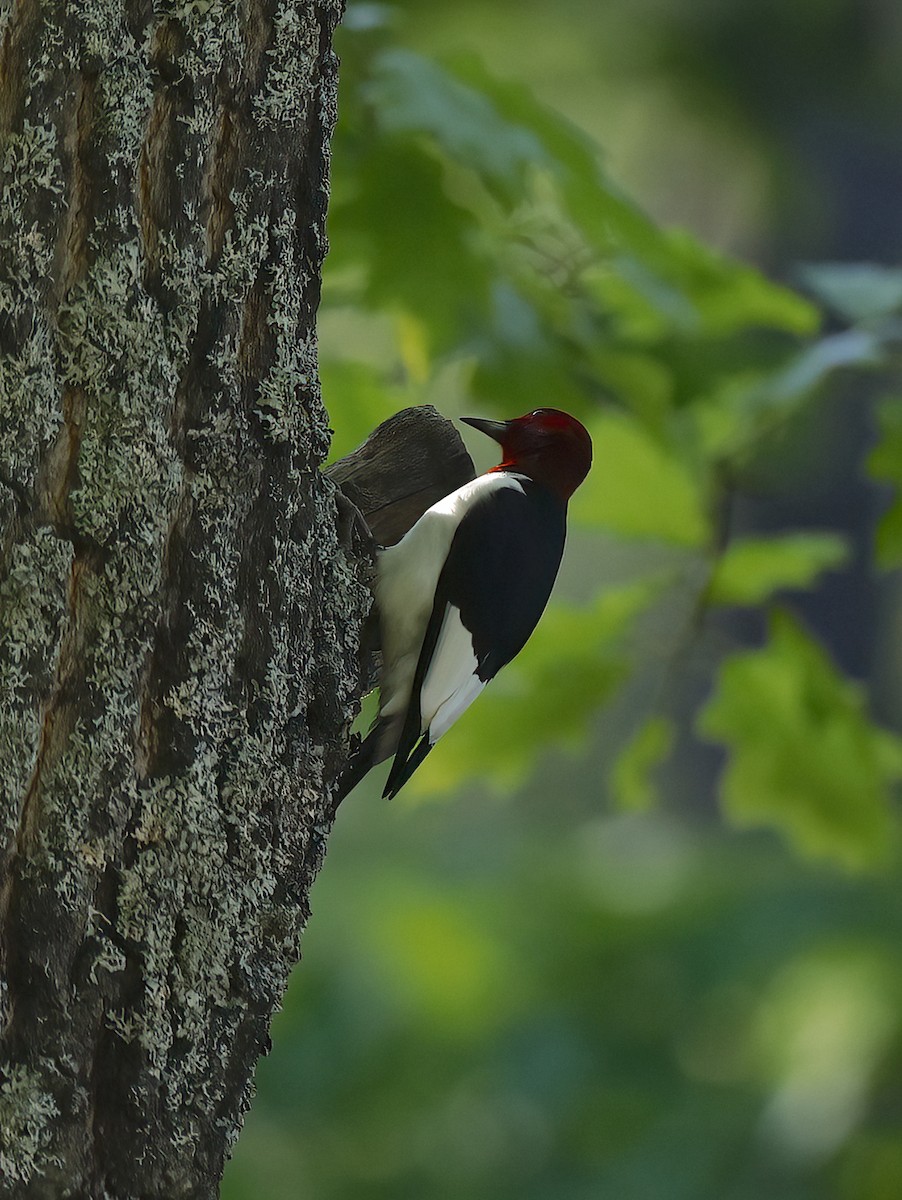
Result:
pixel 403 768
pixel 379 744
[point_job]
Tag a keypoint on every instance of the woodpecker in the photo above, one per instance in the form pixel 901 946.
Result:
pixel 460 594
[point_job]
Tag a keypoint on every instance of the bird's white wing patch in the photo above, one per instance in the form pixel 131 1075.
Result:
pixel 451 684
pixel 405 587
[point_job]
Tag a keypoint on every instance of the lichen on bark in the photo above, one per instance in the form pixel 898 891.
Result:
pixel 179 615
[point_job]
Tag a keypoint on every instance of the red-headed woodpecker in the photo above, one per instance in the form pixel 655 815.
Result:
pixel 462 591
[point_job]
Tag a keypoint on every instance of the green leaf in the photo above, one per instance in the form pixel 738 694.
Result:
pixel 804 756
pixel 640 380
pixel 754 568
pixel 411 94
pixel 564 146
pixel 885 465
pixel 812 365
pixel 690 285
pixel 746 406
pixel 693 290
pixel 638 488
pixel 417 245
pixel 730 295
pixel 518 361
pixel 856 291
pixel 631 778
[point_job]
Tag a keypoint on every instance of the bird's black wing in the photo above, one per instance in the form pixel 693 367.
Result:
pixel 496 581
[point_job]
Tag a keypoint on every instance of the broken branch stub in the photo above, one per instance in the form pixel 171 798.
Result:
pixel 406 464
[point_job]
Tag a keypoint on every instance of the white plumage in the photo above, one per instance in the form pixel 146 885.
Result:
pixel 451 684
pixel 407 575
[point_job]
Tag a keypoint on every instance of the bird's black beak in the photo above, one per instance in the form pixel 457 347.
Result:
pixel 495 429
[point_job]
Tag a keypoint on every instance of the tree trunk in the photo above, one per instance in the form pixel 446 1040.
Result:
pixel 179 611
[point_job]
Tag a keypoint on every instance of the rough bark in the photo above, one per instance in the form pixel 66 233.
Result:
pixel 179 613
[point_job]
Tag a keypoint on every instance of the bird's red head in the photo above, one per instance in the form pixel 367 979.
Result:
pixel 548 445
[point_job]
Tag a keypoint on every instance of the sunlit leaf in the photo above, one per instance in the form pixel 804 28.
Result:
pixel 804 756
pixel 637 488
pixel 499 130
pixel 729 295
pixel 689 288
pixel 754 568
pixel 642 306
pixel 413 345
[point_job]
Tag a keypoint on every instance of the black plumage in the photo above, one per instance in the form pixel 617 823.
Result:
pixel 498 575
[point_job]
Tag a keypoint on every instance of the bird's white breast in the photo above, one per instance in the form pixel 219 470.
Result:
pixel 407 574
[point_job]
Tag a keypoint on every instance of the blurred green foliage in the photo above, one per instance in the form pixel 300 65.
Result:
pixel 598 990
pixel 885 464
pixel 804 755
